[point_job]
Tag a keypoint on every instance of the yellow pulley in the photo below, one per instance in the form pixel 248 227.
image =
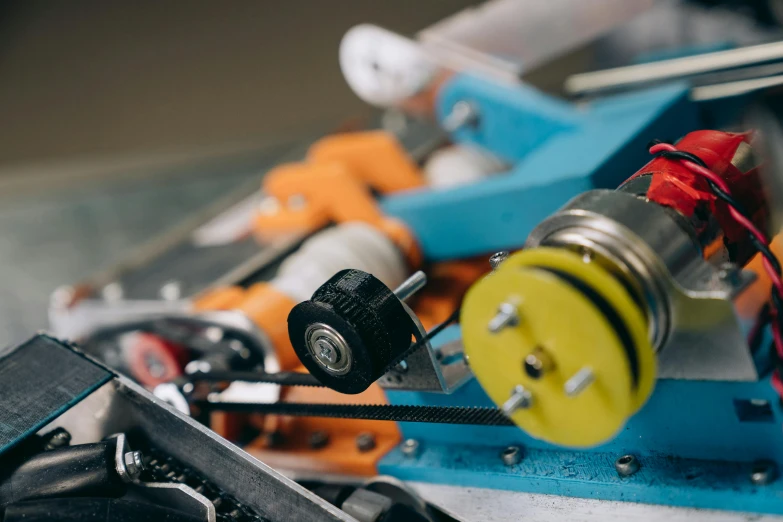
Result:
pixel 560 343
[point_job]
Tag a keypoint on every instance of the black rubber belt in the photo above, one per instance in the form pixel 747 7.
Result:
pixel 626 340
pixel 383 412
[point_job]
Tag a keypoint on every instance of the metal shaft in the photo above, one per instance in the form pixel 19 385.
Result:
pixel 411 285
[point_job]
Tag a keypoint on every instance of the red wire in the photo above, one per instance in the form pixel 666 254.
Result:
pixel 777 282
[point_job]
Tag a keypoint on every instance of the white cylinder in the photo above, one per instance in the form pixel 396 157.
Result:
pixel 349 245
pixel 459 165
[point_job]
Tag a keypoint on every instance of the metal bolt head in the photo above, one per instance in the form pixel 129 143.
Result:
pixel 365 442
pixel 508 315
pixel 512 455
pixel 57 438
pixel 764 472
pixel 627 465
pixel 318 439
pixel 537 363
pixel 520 399
pixel 410 448
pixel 112 292
pixel 325 350
pixel 497 258
pixel 134 463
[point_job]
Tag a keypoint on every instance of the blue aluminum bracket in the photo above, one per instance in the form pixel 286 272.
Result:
pixel 557 151
pixel 696 441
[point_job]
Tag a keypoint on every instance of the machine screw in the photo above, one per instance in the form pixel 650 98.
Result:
pixel 462 113
pixel 626 465
pixel 512 455
pixel 508 315
pixel 497 258
pixel 521 399
pixel 112 292
pixel 134 464
pixel 57 438
pixel 171 291
pixel 319 439
pixel 578 382
pixel 328 348
pixel 410 448
pixel 326 351
pixel 764 472
pixel 411 285
pixel 365 442
pixel 537 363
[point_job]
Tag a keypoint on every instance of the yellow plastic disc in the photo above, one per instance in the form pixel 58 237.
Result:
pixel 572 332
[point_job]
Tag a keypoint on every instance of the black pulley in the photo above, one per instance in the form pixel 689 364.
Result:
pixel 351 331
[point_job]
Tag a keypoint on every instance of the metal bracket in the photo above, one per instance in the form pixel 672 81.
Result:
pixel 441 370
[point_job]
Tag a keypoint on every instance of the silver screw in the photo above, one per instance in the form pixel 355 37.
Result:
pixel 410 448
pixel 411 285
pixel 462 113
pixel 134 464
pixel 171 291
pixel 319 439
pixel 326 351
pixel 112 292
pixel 297 202
pixel 511 456
pixel 497 258
pixel 627 465
pixel 521 399
pixel 764 472
pixel 508 315
pixel 578 382
pixel 365 442
pixel 328 348
pixel 62 297
pixel 269 206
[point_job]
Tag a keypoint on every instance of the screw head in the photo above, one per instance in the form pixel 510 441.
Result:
pixel 319 439
pixel 627 465
pixel 134 463
pixel 410 448
pixel 325 350
pixel 764 472
pixel 365 442
pixel 520 399
pixel 497 258
pixel 512 455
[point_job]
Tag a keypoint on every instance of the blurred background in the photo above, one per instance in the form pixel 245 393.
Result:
pixel 119 119
pixel 122 119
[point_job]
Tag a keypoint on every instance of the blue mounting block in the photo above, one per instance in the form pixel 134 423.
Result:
pixel 696 441
pixel 557 150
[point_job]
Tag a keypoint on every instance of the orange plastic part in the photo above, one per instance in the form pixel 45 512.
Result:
pixel 265 306
pixel 340 454
pixel 374 157
pixel 336 184
pixel 750 302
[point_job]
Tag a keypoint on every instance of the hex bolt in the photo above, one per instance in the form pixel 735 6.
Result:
pixel 627 465
pixel 410 448
pixel 497 258
pixel 579 382
pixel 512 455
pixel 508 315
pixel 365 442
pixel 520 399
pixel 134 464
pixel 462 114
pixel 319 439
pixel 764 472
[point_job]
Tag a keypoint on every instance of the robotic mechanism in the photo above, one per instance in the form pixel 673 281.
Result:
pixel 627 350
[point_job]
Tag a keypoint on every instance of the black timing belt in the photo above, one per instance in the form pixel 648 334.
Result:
pixel 475 415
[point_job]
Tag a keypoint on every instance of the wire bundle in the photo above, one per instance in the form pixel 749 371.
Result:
pixel 759 239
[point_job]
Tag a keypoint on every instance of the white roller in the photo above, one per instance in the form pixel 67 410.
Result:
pixel 350 245
pixel 459 165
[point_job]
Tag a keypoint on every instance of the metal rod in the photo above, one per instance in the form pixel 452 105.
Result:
pixel 411 285
pixel 672 69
